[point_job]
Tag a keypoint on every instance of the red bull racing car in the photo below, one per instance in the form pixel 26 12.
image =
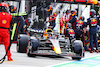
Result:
pixel 49 42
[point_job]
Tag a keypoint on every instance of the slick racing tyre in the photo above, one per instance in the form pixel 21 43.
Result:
pixel 78 49
pixel 22 43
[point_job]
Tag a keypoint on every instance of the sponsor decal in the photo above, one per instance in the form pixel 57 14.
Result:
pixel 3 13
pixel 4 21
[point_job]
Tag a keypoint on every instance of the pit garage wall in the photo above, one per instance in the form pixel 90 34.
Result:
pixel 33 14
pixel 85 13
pixel 82 10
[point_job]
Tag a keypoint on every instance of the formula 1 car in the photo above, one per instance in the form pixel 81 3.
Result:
pixel 49 42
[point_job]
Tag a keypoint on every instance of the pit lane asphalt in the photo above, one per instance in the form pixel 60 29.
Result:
pixel 22 60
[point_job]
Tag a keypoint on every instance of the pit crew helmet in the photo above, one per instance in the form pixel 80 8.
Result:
pixel 73 12
pixel 82 18
pixel 13 9
pixel 92 12
pixel 68 25
pixel 67 11
pixel 4 7
pixel 50 8
pixel 29 20
pixel 55 14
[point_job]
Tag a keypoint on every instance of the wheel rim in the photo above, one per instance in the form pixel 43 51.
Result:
pixel 28 50
pixel 17 48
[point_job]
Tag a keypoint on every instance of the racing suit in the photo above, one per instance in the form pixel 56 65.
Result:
pixel 20 26
pixel 5 21
pixel 79 33
pixel 73 21
pixel 92 22
pixel 71 34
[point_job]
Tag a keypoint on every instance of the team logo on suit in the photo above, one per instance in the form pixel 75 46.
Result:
pixel 4 21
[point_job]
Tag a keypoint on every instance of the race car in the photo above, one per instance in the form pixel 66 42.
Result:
pixel 49 42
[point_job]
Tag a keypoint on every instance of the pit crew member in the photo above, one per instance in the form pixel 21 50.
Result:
pixel 5 21
pixel 92 22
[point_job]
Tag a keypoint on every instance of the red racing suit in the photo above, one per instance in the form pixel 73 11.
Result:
pixel 5 20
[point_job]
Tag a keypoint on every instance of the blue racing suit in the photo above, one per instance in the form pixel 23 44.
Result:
pixel 92 22
pixel 20 28
pixel 78 31
pixel 73 21
pixel 71 34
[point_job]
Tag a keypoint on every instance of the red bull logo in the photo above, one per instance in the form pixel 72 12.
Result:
pixel 93 22
pixel 80 23
pixel 71 32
